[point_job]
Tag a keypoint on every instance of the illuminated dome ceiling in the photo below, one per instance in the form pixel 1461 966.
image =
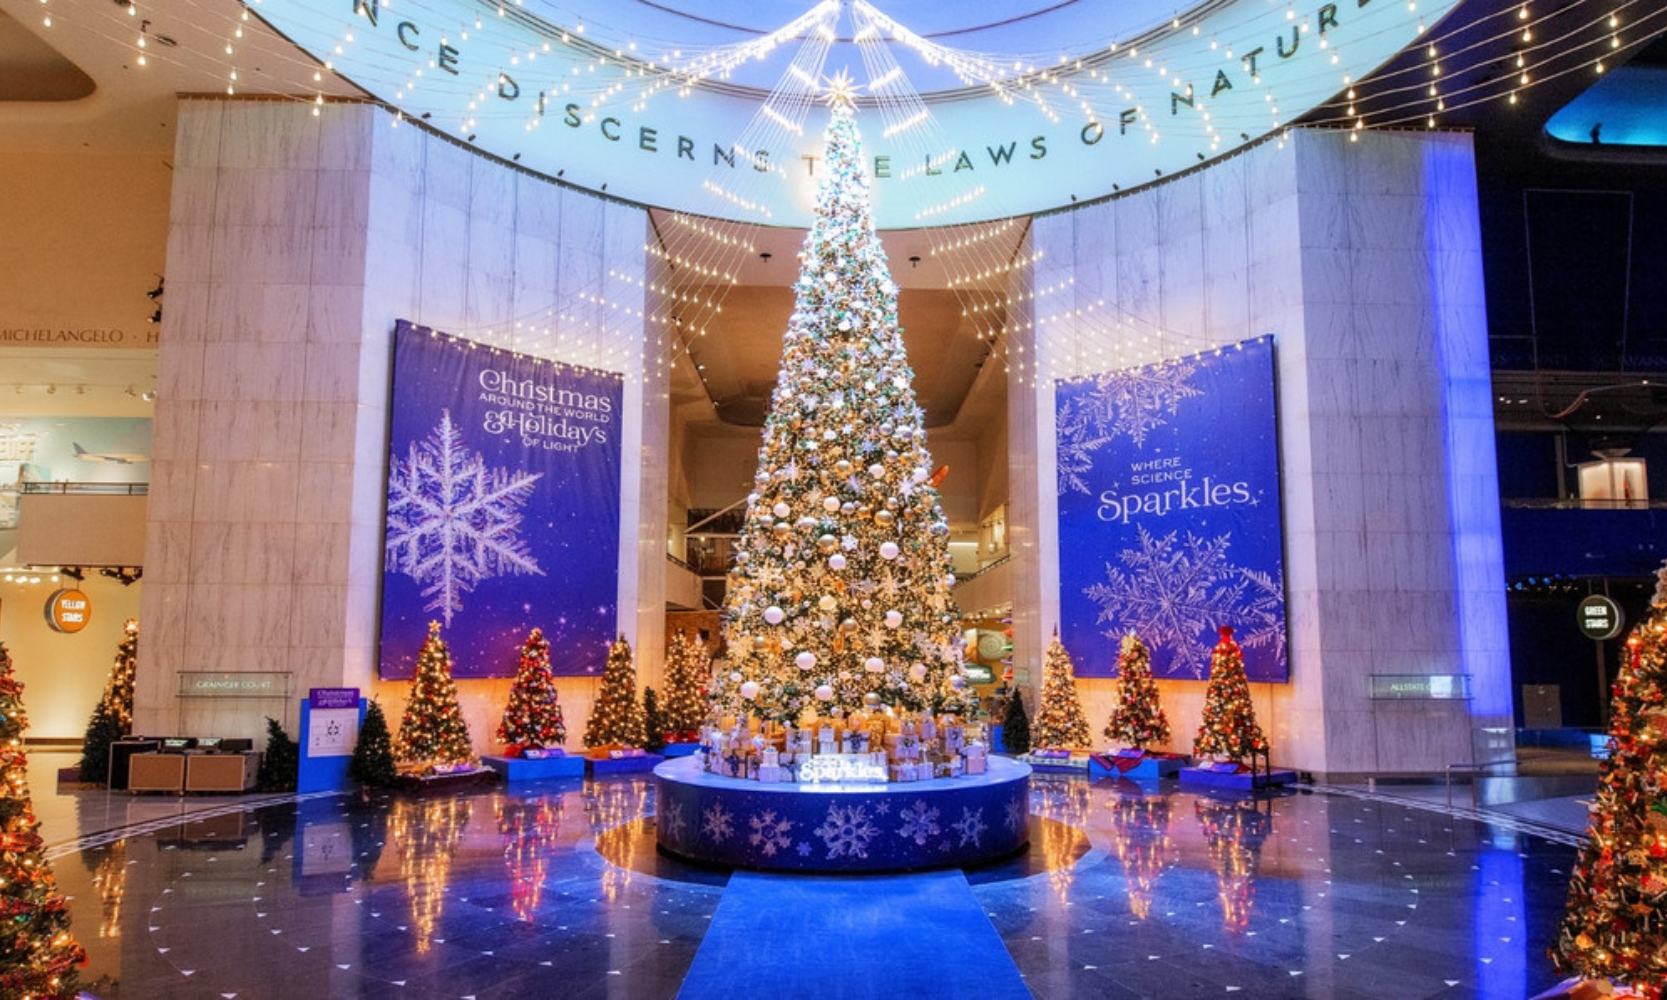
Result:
pixel 969 113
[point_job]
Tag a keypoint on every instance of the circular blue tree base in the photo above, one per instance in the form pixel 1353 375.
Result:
pixel 897 826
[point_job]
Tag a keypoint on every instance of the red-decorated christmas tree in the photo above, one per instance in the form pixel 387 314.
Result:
pixel 533 716
pixel 1615 926
pixel 1138 719
pixel 38 955
pixel 616 718
pixel 432 730
pixel 1229 730
pixel 1059 722
pixel 688 666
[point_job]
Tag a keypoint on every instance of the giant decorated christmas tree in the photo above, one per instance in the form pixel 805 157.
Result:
pixel 433 730
pixel 1059 722
pixel 1229 728
pixel 1138 719
pixel 841 585
pixel 37 954
pixel 532 718
pixel 1615 925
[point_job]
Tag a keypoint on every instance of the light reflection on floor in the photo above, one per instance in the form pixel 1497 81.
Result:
pixel 555 889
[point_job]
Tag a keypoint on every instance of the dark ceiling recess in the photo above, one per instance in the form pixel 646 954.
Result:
pixel 33 71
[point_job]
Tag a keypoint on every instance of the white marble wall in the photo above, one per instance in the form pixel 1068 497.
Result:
pixel 1363 259
pixel 295 242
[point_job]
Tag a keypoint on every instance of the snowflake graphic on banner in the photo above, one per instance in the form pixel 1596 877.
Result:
pixel 452 522
pixel 847 831
pixel 769 834
pixel 717 823
pixel 920 822
pixel 1130 403
pixel 970 826
pixel 1169 593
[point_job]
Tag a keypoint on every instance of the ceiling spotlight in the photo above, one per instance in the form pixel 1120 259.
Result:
pixel 51 389
pixel 156 292
pixel 147 396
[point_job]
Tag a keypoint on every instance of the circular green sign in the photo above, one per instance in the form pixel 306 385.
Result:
pixel 1600 618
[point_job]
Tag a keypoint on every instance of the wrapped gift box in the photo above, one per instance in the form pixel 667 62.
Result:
pixel 954 738
pixel 977 765
pixel 769 774
pixel 827 746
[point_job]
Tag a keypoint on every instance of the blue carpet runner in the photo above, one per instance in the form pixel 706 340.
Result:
pixel 842 937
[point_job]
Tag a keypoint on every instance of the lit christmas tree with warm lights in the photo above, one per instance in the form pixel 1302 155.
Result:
pixel 616 718
pixel 1138 719
pixel 38 955
pixel 1059 722
pixel 842 578
pixel 533 716
pixel 688 665
pixel 1613 927
pixel 1229 728
pixel 112 719
pixel 432 730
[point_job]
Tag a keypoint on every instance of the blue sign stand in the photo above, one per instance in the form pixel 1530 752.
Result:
pixel 322 773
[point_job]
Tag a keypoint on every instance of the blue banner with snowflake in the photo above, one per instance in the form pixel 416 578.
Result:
pixel 1169 520
pixel 503 507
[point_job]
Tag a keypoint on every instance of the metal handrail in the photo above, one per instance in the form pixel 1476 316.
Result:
pixel 1474 769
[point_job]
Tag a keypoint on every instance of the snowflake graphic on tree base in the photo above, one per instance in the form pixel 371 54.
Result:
pixel 920 822
pixel 717 823
pixel 970 826
pixel 674 821
pixel 847 831
pixel 452 522
pixel 769 834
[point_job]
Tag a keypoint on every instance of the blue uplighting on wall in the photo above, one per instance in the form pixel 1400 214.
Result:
pixel 1627 107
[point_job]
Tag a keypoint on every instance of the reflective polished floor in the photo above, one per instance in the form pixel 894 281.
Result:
pixel 556 890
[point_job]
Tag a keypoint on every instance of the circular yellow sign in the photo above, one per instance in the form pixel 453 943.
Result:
pixel 68 610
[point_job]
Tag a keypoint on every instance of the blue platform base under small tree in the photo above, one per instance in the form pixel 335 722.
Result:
pixel 679 750
pixel 522 769
pixel 1149 765
pixel 1243 781
pixel 621 765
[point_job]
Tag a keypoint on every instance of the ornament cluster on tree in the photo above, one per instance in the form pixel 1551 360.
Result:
pixel 38 955
pixel 842 578
pixel 112 718
pixel 1229 728
pixel 433 731
pixel 1615 924
pixel 373 754
pixel 1059 722
pixel 688 666
pixel 1138 719
pixel 532 718
pixel 616 718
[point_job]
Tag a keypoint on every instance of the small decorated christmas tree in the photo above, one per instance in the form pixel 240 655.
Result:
pixel 112 719
pixel 653 722
pixel 38 955
pixel 1015 725
pixel 373 754
pixel 1613 926
pixel 280 764
pixel 1138 719
pixel 617 715
pixel 432 730
pixel 688 666
pixel 533 716
pixel 1229 728
pixel 1059 722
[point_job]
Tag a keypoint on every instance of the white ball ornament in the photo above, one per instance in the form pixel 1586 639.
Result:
pixel 824 692
pixel 774 615
pixel 781 510
pixel 957 682
pixel 734 676
pixel 888 550
pixel 827 603
pixel 949 581
pixel 920 475
pixel 836 561
pixel 830 504
pixel 894 619
pixel 877 470
pixel 874 665
pixel 917 671
pixel 749 690
pixel 806 660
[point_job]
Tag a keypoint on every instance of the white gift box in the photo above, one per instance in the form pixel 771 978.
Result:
pixel 954 738
pixel 772 757
pixel 825 735
pixel 827 747
pixel 977 765
pixel 928 728
pixel 769 774
pixel 972 750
